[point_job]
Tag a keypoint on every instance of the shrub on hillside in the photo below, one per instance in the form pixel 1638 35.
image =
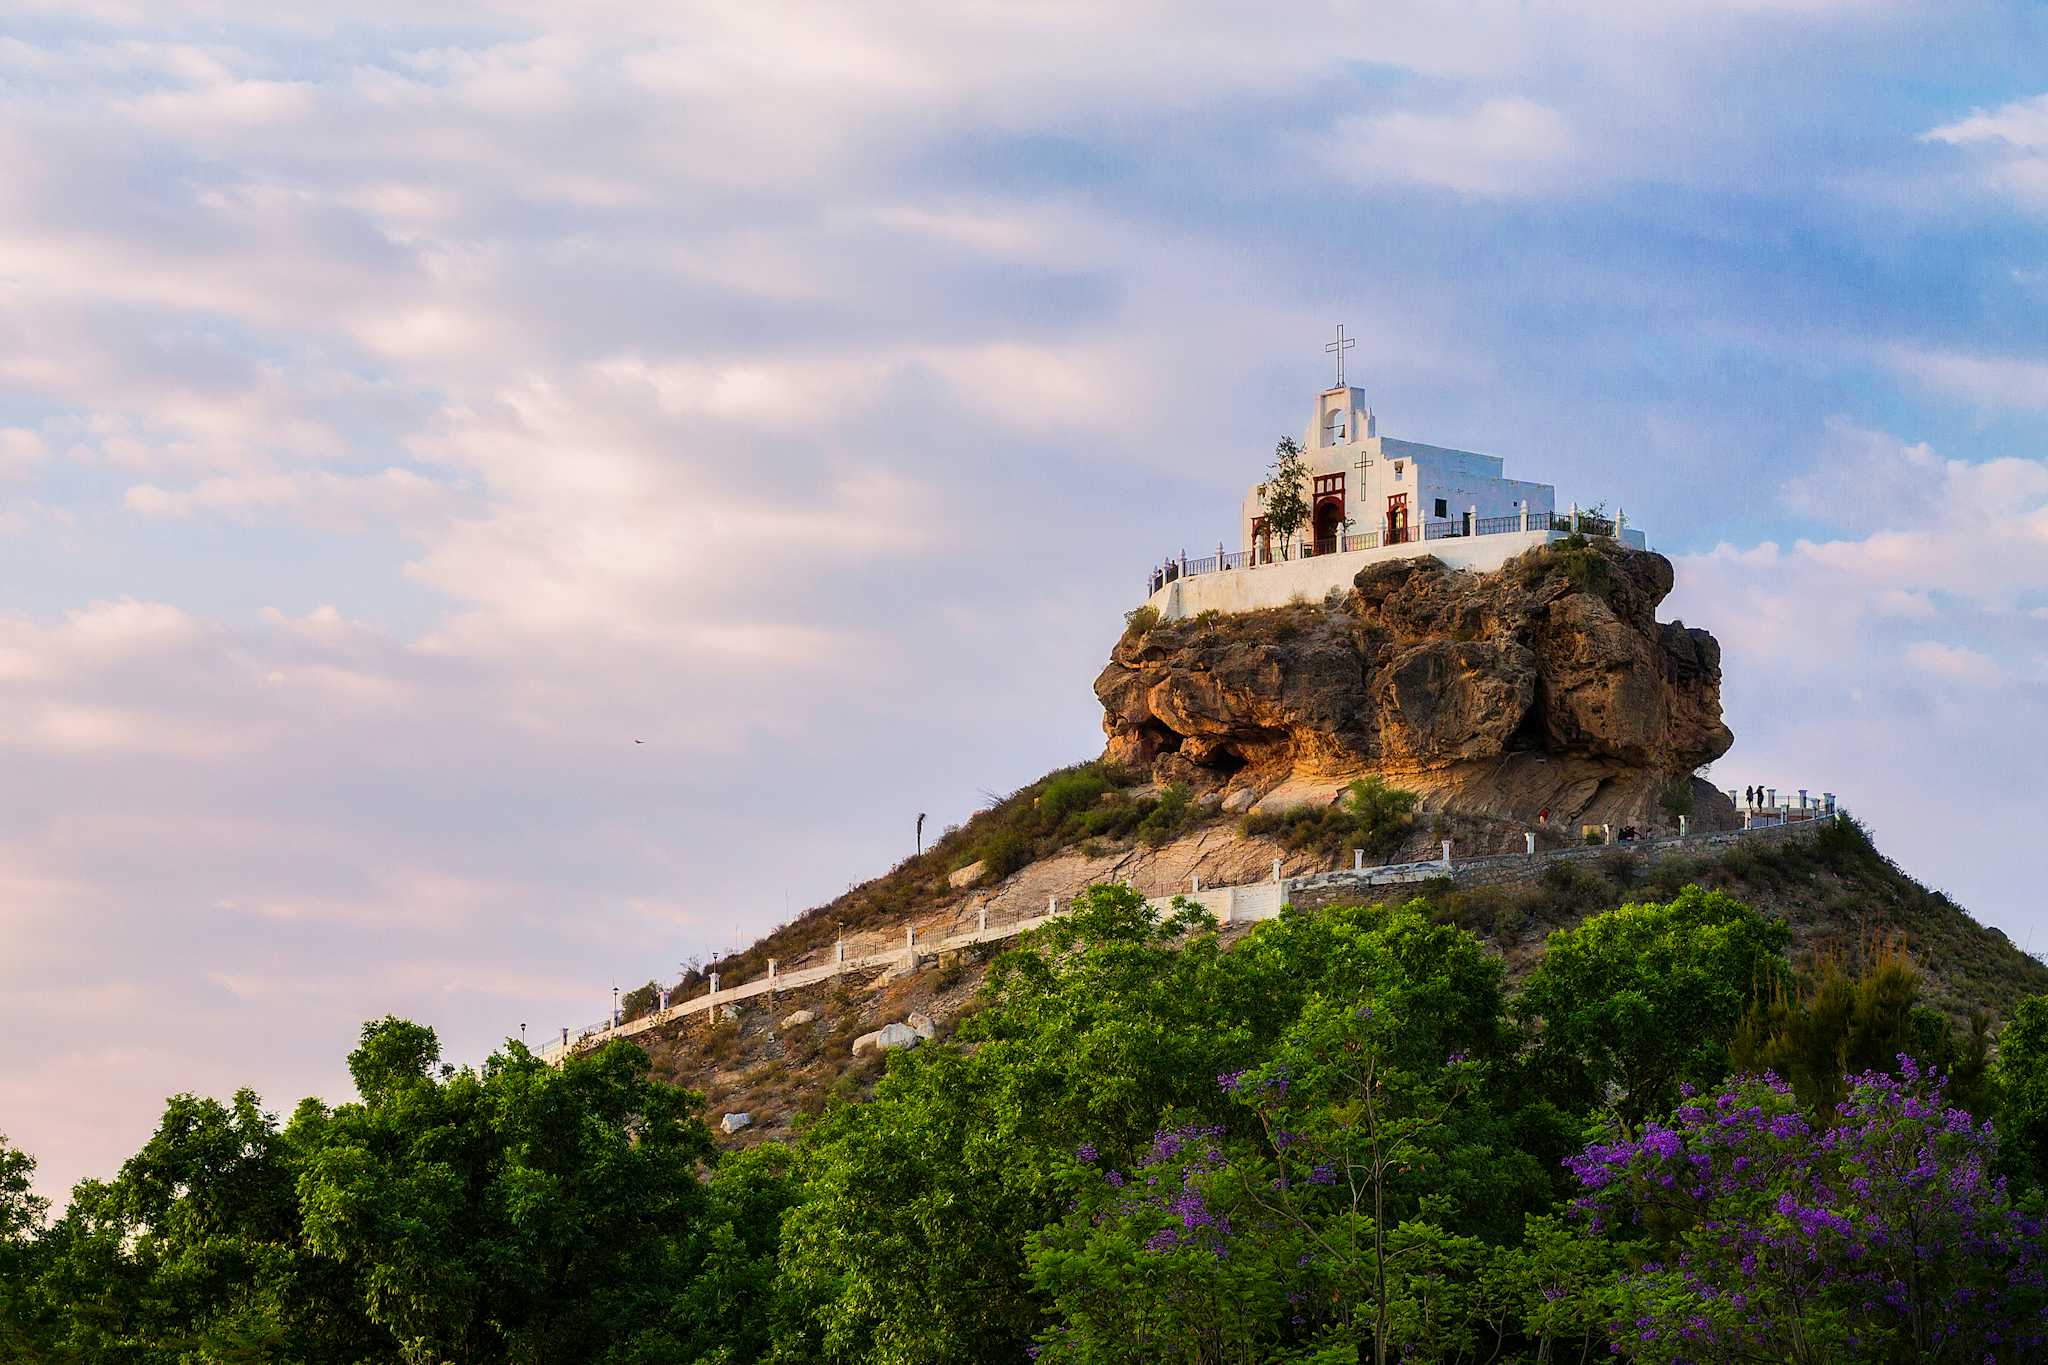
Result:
pixel 640 1000
pixel 1071 792
pixel 1003 851
pixel 1084 802
pixel 1372 816
pixel 1170 814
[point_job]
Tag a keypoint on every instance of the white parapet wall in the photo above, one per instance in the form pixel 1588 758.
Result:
pixel 1277 584
pixel 1242 904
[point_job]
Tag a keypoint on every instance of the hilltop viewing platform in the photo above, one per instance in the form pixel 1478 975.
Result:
pixel 1254 579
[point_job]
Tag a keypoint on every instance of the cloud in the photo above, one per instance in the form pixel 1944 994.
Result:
pixel 1503 147
pixel 2007 147
pixel 1988 381
pixel 1862 477
pixel 20 448
pixel 1834 681
pixel 1958 663
pixel 391 498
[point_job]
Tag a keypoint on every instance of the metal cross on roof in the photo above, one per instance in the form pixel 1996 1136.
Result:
pixel 1338 348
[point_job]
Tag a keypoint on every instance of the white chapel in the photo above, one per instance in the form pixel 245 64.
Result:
pixel 1373 497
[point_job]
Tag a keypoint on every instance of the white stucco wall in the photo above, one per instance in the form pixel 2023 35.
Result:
pixel 1275 585
pixel 1463 479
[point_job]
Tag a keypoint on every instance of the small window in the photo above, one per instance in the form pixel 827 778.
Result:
pixel 1443 509
pixel 1398 464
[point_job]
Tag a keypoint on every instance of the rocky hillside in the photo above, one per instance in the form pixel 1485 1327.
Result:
pixel 1839 895
pixel 1549 684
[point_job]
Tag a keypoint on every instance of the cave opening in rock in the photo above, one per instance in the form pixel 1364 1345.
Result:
pixel 1226 761
pixel 1528 736
pixel 1158 739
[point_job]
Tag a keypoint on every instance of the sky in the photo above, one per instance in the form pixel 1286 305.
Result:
pixel 406 409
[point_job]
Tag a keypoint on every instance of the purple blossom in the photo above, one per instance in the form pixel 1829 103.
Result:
pixel 1769 1221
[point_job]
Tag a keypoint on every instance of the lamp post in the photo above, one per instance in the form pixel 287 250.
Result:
pixel 615 1007
pixel 920 834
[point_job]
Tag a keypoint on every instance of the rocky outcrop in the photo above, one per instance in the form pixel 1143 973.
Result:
pixel 1548 684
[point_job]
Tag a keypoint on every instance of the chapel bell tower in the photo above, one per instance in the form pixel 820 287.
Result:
pixel 1341 414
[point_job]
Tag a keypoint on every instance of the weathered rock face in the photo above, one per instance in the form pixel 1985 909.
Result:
pixel 1549 684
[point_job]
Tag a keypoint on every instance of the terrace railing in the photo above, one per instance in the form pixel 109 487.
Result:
pixel 1580 522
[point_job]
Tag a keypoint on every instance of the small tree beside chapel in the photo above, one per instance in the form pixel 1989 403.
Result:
pixel 1285 494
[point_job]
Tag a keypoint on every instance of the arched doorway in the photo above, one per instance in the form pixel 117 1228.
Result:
pixel 1328 525
pixel 1397 519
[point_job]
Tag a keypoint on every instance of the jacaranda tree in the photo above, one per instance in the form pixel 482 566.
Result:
pixel 1882 1234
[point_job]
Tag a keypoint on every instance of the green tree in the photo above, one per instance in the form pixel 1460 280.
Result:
pixel 1833 1023
pixel 1151 1267
pixel 1636 1001
pixel 513 1212
pixel 2019 1079
pixel 1284 494
pixel 908 1245
pixel 194 1251
pixel 1360 1128
pixel 22 1212
pixel 1347 1198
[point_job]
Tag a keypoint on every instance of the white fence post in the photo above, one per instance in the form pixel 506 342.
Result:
pixel 1198 883
pixel 1358 860
pixel 1229 903
pixel 1052 905
pixel 1525 514
pixel 771 976
pixel 1531 840
pixel 1447 855
pixel 1276 869
pixel 714 983
pixel 1683 824
pixel 1606 833
pixel 981 918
